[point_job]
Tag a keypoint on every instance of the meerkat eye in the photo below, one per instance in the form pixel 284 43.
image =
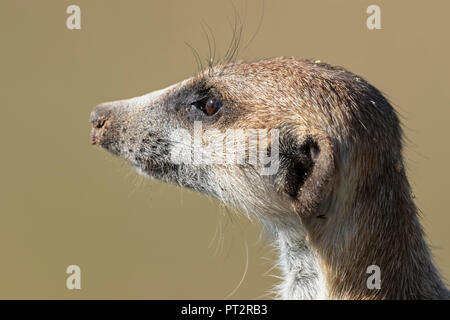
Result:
pixel 211 107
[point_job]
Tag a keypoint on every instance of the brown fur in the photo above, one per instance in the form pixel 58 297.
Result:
pixel 353 196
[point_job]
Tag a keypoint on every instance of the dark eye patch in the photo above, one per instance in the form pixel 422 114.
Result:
pixel 207 102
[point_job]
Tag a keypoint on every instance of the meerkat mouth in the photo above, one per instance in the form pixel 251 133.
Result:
pixel 153 169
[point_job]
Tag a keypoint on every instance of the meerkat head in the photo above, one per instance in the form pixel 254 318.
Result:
pixel 311 149
pixel 271 137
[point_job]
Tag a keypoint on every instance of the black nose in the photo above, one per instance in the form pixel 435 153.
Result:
pixel 99 119
pixel 100 115
pixel 96 121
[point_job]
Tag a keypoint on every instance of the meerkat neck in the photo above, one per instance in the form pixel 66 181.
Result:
pixel 380 237
pixel 301 274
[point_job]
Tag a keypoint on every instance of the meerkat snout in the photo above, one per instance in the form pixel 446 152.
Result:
pixel 99 118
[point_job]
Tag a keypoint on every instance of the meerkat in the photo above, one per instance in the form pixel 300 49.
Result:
pixel 338 200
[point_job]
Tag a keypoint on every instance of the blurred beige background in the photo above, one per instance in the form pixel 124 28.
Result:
pixel 63 201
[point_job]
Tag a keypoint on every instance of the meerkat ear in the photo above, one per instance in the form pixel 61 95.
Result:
pixel 308 164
